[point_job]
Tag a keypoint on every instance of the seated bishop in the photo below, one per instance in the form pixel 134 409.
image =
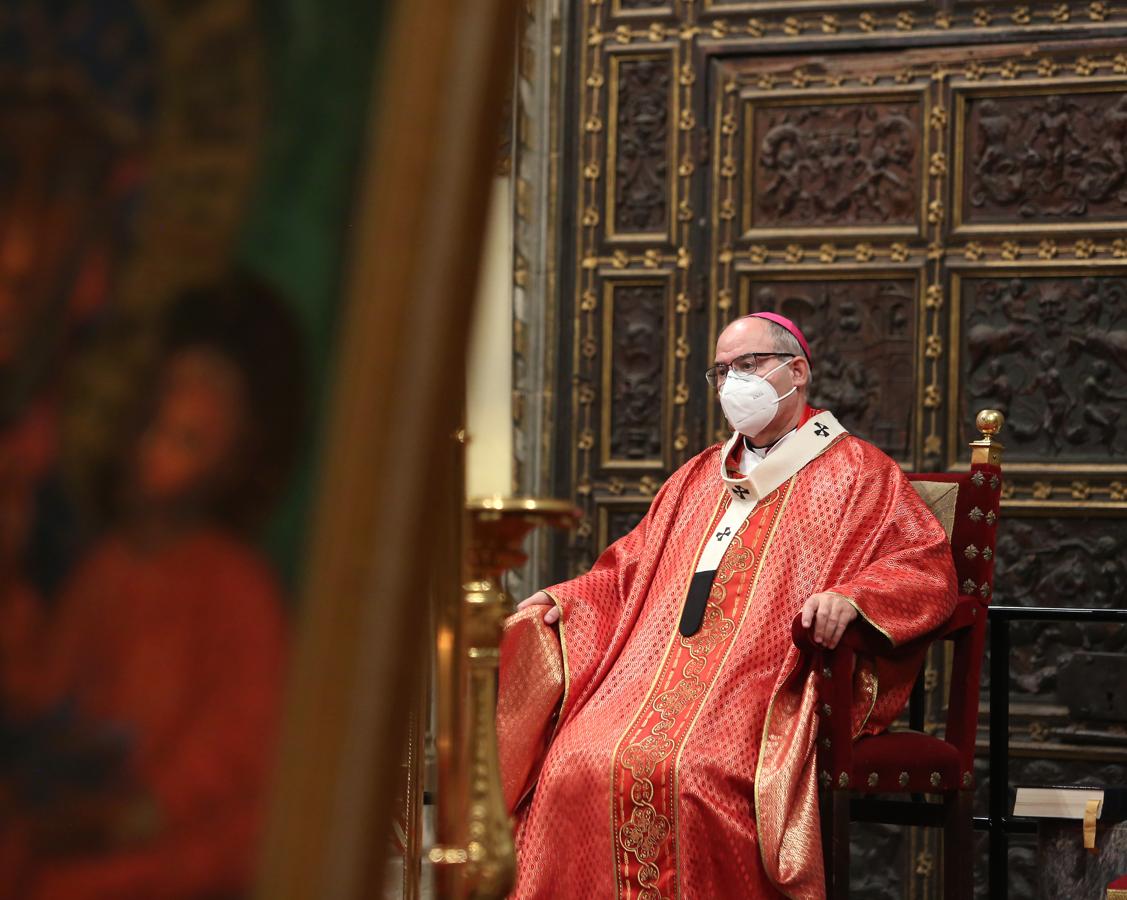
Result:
pixel 656 722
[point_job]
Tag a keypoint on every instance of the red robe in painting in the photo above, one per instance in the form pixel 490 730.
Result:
pixel 685 766
pixel 184 648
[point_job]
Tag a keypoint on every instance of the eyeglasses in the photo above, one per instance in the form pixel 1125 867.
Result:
pixel 747 364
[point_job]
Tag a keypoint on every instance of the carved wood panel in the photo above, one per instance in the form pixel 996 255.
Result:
pixel 1050 350
pixel 941 209
pixel 638 185
pixel 634 389
pixel 839 162
pixel 1039 158
pixel 1061 562
pixel 644 7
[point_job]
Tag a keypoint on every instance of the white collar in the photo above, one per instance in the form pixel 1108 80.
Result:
pixel 780 463
pixel 750 456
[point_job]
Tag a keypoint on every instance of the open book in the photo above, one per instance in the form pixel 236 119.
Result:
pixel 1057 802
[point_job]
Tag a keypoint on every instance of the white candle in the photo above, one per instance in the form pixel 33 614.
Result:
pixel 489 396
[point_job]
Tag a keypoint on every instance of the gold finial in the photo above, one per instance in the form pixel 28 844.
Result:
pixel 987 450
pixel 989 422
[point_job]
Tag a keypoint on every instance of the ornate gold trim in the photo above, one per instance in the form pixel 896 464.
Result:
pixel 771 499
pixel 839 23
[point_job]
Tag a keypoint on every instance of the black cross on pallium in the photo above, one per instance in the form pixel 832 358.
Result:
pixel 821 430
pixel 720 535
pixel 740 491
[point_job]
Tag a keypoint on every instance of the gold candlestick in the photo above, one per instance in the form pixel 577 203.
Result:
pixel 484 865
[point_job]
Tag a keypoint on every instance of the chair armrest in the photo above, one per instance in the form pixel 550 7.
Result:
pixel 833 670
pixel 861 637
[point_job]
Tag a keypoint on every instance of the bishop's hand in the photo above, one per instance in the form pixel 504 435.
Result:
pixel 541 599
pixel 830 615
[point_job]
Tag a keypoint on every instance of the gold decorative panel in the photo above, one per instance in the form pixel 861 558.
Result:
pixel 640 8
pixel 1047 345
pixel 873 182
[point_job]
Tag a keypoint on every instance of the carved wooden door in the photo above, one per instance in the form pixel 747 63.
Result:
pixel 938 195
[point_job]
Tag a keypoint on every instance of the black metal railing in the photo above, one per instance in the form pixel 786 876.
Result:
pixel 999 822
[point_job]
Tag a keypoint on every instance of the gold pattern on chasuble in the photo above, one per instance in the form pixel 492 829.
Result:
pixel 691 664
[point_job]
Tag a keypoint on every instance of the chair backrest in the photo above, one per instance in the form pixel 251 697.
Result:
pixel 967 504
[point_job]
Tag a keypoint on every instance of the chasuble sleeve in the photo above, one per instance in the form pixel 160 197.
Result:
pixel 901 579
pixel 598 611
pixel 599 608
pixel 542 666
pixel 901 575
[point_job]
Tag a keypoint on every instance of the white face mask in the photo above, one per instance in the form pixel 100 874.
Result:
pixel 750 401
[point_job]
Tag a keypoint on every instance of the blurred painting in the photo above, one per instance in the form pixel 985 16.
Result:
pixel 174 196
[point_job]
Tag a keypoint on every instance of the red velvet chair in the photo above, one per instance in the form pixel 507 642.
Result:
pixel 912 763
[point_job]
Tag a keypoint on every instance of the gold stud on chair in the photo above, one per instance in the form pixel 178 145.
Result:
pixel 935 779
pixel 903 779
pixel 873 779
pixel 843 780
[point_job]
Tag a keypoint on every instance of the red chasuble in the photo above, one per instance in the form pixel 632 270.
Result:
pixel 684 766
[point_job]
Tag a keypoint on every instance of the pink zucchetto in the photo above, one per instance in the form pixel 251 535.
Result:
pixel 788 325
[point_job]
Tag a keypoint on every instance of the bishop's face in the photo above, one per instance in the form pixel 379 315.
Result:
pixel 745 336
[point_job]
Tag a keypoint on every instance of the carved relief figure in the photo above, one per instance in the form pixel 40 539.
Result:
pixel 1058 156
pixel 1053 562
pixel 1052 353
pixel 844 164
pixel 1102 407
pixel 994 387
pixel 1056 403
pixel 642 161
pixel 638 356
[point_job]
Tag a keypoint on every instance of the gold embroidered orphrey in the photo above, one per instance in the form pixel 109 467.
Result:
pixel 647 864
